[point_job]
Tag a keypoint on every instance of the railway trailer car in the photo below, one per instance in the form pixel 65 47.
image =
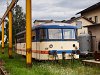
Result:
pixel 52 41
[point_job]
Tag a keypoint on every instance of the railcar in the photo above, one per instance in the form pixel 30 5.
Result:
pixel 52 41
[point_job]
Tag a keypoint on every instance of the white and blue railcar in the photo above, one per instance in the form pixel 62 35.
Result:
pixel 50 41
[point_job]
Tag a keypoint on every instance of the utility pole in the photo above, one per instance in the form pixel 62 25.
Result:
pixel 3 37
pixel 10 34
pixel 28 34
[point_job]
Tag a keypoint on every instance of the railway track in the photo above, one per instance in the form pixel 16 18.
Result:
pixel 2 68
pixel 3 71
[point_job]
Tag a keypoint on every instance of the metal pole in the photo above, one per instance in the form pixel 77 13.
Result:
pixel 3 37
pixel 7 11
pixel 10 35
pixel 28 34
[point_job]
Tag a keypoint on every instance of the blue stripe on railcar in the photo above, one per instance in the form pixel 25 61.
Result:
pixel 61 51
pixel 54 27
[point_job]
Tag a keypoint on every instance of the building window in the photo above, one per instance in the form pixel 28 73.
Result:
pixel 79 24
pixel 96 19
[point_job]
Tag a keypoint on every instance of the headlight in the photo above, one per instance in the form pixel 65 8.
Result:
pixel 50 46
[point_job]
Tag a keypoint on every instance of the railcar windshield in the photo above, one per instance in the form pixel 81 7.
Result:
pixel 69 33
pixel 63 34
pixel 55 33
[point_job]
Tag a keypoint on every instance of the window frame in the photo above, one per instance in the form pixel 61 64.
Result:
pixel 78 24
pixel 56 39
pixel 96 19
pixel 63 36
pixel 21 38
pixel 38 35
pixel 71 38
pixel 47 35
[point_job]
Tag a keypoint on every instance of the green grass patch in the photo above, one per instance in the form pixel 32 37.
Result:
pixel 17 66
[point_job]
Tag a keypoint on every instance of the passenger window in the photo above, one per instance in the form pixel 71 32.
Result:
pixel 42 34
pixel 21 38
pixel 33 36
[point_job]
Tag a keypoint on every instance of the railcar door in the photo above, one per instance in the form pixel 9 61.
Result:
pixel 41 36
pixel 37 54
pixel 38 50
pixel 34 50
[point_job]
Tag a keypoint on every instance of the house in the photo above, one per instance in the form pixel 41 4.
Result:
pixel 92 13
pixel 38 22
pixel 80 22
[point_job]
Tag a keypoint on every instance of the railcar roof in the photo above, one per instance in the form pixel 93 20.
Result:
pixel 55 25
pixel 51 26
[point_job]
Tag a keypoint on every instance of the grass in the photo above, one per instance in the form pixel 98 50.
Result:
pixel 17 66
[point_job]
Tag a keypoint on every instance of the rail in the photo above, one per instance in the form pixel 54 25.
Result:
pixel 3 71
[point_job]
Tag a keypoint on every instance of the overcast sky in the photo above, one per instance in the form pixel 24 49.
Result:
pixel 52 9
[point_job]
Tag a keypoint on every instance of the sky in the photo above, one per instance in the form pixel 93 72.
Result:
pixel 52 9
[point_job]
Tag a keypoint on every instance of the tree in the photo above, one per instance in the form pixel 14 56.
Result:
pixel 19 21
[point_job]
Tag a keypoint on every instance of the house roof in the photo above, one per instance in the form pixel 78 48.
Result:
pixel 47 21
pixel 97 5
pixel 72 20
pixel 96 24
pixel 43 21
